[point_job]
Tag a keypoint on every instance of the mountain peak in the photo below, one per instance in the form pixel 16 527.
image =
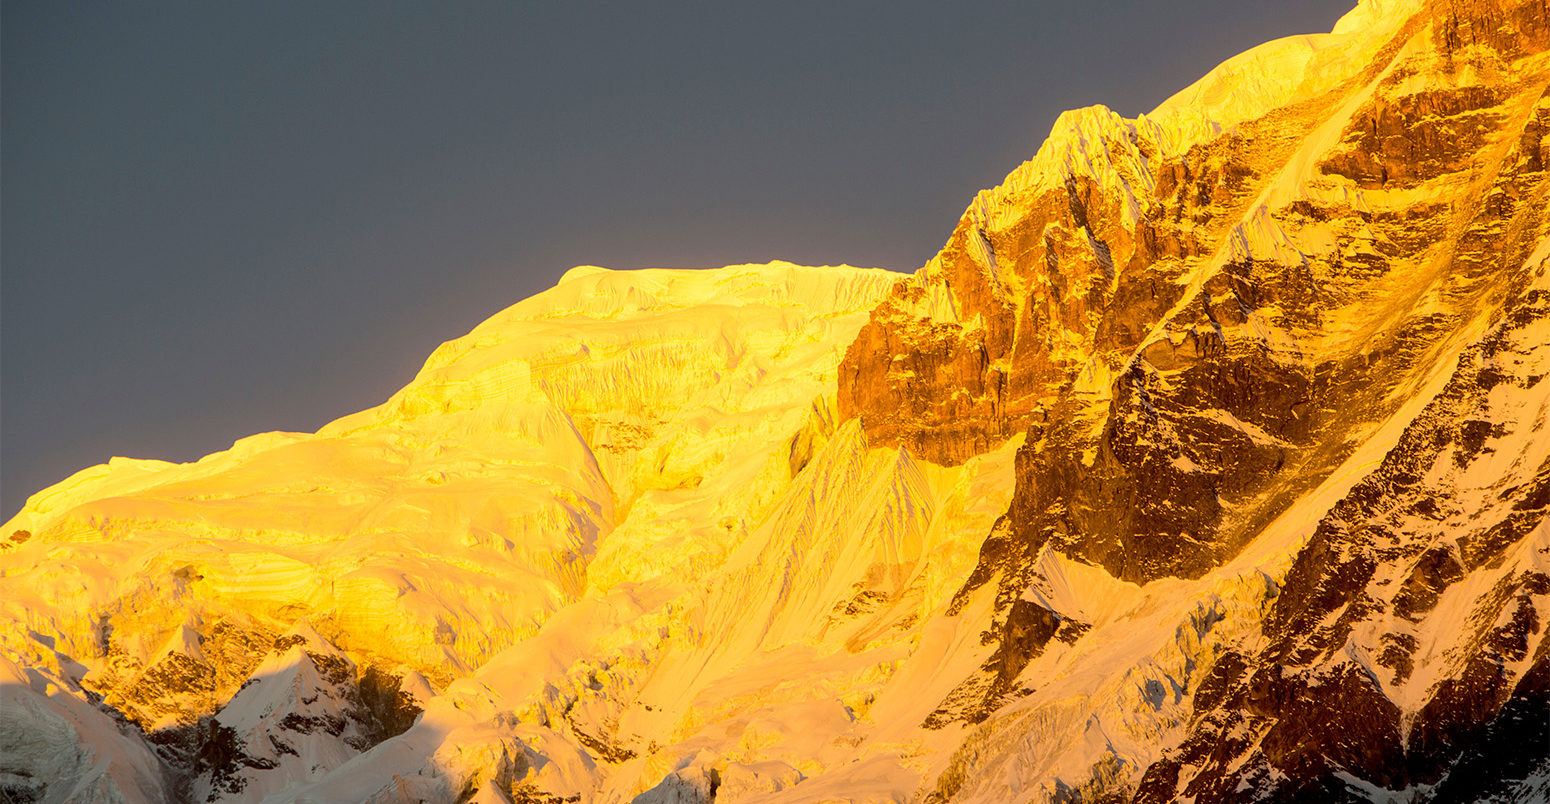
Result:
pixel 1207 460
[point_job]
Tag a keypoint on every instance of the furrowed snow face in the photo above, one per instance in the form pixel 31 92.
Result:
pixel 1207 461
pixel 423 537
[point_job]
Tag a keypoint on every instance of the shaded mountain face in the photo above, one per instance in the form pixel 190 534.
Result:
pixel 1209 460
pixel 1406 646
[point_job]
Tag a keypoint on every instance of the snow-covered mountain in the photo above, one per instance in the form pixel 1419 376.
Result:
pixel 1209 460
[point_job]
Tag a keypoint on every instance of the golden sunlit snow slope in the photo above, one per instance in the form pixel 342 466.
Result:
pixel 450 521
pixel 616 521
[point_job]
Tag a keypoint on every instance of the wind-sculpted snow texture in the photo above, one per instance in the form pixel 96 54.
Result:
pixel 1209 460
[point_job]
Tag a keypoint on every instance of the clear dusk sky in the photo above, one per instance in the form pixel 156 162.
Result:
pixel 218 219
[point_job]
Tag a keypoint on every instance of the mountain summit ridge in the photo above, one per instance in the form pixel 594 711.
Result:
pixel 1207 461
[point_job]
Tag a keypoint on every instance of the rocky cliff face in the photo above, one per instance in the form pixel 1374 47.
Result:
pixel 1183 324
pixel 1406 648
pixel 1208 460
pixel 1197 332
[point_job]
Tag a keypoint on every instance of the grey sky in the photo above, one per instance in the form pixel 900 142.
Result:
pixel 221 218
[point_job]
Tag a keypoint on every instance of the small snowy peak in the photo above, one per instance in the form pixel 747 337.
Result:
pixel 185 642
pixel 306 710
pixel 1092 143
pixel 288 724
pixel 297 679
pixel 173 688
